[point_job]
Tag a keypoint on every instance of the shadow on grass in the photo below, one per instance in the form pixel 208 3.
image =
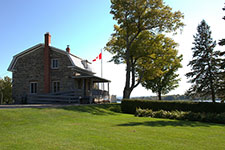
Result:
pixel 98 109
pixel 174 123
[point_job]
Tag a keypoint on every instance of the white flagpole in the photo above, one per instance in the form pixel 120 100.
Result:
pixel 101 65
pixel 103 88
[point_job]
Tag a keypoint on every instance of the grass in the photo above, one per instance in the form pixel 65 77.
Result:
pixel 100 127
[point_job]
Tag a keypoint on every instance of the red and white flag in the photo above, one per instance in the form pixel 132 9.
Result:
pixel 98 57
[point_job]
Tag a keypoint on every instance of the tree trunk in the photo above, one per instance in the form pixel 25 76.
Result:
pixel 129 88
pixel 159 95
pixel 126 93
pixel 213 93
pixel 212 87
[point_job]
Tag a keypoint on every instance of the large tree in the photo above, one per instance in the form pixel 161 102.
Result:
pixel 134 18
pixel 221 74
pixel 204 68
pixel 169 62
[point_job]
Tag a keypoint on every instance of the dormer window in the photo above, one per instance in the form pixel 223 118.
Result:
pixel 54 64
pixel 85 63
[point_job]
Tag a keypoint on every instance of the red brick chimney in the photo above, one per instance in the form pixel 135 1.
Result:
pixel 68 49
pixel 47 63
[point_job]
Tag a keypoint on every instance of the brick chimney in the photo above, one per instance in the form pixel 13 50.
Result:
pixel 68 49
pixel 47 63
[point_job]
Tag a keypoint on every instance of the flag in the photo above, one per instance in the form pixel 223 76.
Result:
pixel 98 57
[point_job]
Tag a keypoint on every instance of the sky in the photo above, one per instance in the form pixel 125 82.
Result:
pixel 86 25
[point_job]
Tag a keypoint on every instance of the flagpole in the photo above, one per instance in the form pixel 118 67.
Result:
pixel 101 65
pixel 102 70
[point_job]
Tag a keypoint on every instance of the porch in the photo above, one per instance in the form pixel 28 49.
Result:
pixel 93 88
pixel 86 92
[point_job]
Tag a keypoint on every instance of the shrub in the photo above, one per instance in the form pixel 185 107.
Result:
pixel 129 106
pixel 181 115
pixel 115 108
pixel 144 113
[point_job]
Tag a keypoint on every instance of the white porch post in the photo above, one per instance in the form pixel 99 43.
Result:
pixel 108 92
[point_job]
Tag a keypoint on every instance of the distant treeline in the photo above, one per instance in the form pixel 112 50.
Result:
pixel 171 97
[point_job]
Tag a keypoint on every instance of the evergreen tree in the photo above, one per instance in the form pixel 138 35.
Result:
pixel 221 81
pixel 204 70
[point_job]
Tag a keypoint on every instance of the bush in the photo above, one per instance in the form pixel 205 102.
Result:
pixel 115 108
pixel 129 106
pixel 180 115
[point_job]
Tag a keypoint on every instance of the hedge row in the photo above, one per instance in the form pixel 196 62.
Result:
pixel 129 106
pixel 180 115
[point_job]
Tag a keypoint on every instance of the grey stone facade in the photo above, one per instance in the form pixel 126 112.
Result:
pixel 63 74
pixel 70 74
pixel 30 68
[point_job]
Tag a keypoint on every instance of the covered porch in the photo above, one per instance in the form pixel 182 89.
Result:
pixel 86 90
pixel 92 88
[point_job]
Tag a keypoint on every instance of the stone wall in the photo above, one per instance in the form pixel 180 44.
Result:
pixel 30 68
pixel 63 74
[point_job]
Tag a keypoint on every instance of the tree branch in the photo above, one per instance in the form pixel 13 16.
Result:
pixel 139 80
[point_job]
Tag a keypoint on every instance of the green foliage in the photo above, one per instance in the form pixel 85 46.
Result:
pixel 165 97
pixel 204 68
pixel 136 38
pixel 221 74
pixel 129 106
pixel 165 65
pixel 181 115
pixel 6 90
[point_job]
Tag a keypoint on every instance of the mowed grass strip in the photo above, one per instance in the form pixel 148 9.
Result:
pixel 100 127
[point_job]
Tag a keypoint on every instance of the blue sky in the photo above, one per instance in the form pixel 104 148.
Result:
pixel 86 25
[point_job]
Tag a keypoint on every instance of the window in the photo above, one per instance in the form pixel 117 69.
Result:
pixel 85 63
pixel 55 86
pixel 54 64
pixel 33 87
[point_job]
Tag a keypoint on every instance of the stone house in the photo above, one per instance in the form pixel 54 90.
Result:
pixel 45 74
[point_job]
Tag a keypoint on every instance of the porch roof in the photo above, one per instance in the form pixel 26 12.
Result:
pixel 95 79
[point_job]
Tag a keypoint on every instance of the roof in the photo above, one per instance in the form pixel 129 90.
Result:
pixel 83 64
pixel 77 62
pixel 94 78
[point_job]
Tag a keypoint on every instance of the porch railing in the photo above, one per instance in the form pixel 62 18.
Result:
pixel 99 93
pixel 73 96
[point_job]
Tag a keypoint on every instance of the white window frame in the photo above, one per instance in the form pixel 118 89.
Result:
pixel 33 89
pixel 54 63
pixel 55 86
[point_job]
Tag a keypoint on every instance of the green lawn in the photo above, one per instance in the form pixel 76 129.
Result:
pixel 99 127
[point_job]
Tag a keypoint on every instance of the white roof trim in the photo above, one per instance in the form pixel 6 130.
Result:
pixel 96 77
pixel 81 70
